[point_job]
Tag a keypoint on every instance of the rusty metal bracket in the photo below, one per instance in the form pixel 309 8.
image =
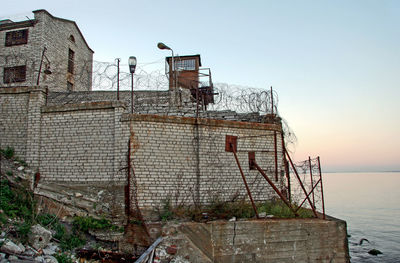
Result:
pixel 230 143
pixel 243 178
pixel 252 160
pixel 274 187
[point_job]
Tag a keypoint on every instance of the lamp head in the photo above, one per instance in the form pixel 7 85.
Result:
pixel 161 45
pixel 47 70
pixel 132 64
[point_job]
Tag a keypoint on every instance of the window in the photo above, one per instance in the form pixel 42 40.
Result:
pixel 19 37
pixel 187 64
pixel 71 38
pixel 14 74
pixel 71 61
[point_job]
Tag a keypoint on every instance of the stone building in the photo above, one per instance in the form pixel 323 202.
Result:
pixel 47 50
pixel 88 142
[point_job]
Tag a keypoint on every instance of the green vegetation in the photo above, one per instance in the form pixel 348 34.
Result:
pixel 85 223
pixel 17 203
pixel 8 152
pixel 218 209
pixel 64 258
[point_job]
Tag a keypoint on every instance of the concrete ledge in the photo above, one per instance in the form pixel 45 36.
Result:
pixel 201 121
pixel 84 106
pixel 22 89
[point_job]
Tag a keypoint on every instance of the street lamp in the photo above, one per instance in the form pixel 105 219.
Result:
pixel 132 66
pixel 161 45
pixel 47 70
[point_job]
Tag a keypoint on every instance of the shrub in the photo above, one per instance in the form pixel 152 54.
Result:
pixel 8 152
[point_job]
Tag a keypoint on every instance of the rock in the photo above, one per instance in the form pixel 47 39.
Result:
pixel 172 250
pixel 233 219
pixel 39 237
pixel 2 256
pixel 374 252
pixel 10 248
pixel 21 168
pixel 39 259
pixel 262 215
pixel 22 247
pixel 50 259
pixel 50 250
pixel 270 216
pixel 12 257
pixel 3 234
pixel 77 195
pixel 4 261
pixel 362 240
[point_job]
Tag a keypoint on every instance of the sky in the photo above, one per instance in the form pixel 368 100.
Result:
pixel 334 64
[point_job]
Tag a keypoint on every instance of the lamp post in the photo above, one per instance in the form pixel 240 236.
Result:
pixel 161 45
pixel 47 70
pixel 132 66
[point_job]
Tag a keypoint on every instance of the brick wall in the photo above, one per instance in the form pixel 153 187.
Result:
pixel 77 142
pixel 170 163
pixel 20 119
pixel 176 158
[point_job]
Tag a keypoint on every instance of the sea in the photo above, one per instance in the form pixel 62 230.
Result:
pixel 370 204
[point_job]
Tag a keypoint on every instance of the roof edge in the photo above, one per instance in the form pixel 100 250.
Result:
pixel 64 20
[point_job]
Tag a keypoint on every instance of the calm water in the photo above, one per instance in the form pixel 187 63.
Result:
pixel 370 203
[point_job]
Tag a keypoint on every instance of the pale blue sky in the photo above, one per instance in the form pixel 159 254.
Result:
pixel 334 64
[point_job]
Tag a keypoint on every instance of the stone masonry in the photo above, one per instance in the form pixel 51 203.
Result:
pixel 59 36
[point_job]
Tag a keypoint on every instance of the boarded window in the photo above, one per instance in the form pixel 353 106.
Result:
pixel 14 74
pixel 71 54
pixel 19 37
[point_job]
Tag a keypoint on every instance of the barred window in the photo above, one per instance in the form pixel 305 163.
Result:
pixel 71 54
pixel 14 38
pixel 187 64
pixel 14 74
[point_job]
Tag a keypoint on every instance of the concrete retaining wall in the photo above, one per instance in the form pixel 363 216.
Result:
pixel 281 240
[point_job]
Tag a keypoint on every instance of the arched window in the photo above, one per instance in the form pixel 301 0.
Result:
pixel 71 37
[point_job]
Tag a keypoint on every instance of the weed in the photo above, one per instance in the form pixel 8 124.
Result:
pixel 8 152
pixel 9 173
pixel 64 258
pixel 281 210
pixel 166 212
pixel 85 223
pixel 71 241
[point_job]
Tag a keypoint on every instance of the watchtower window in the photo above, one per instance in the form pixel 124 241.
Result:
pixel 14 74
pixel 71 54
pixel 187 64
pixel 18 37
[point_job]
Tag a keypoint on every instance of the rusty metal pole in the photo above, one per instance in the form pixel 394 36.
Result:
pixel 244 181
pixel 311 177
pixel 275 188
pixel 272 102
pixel 276 157
pixel 301 184
pixel 128 190
pixel 322 188
pixel 118 60
pixel 132 93
pixel 286 167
